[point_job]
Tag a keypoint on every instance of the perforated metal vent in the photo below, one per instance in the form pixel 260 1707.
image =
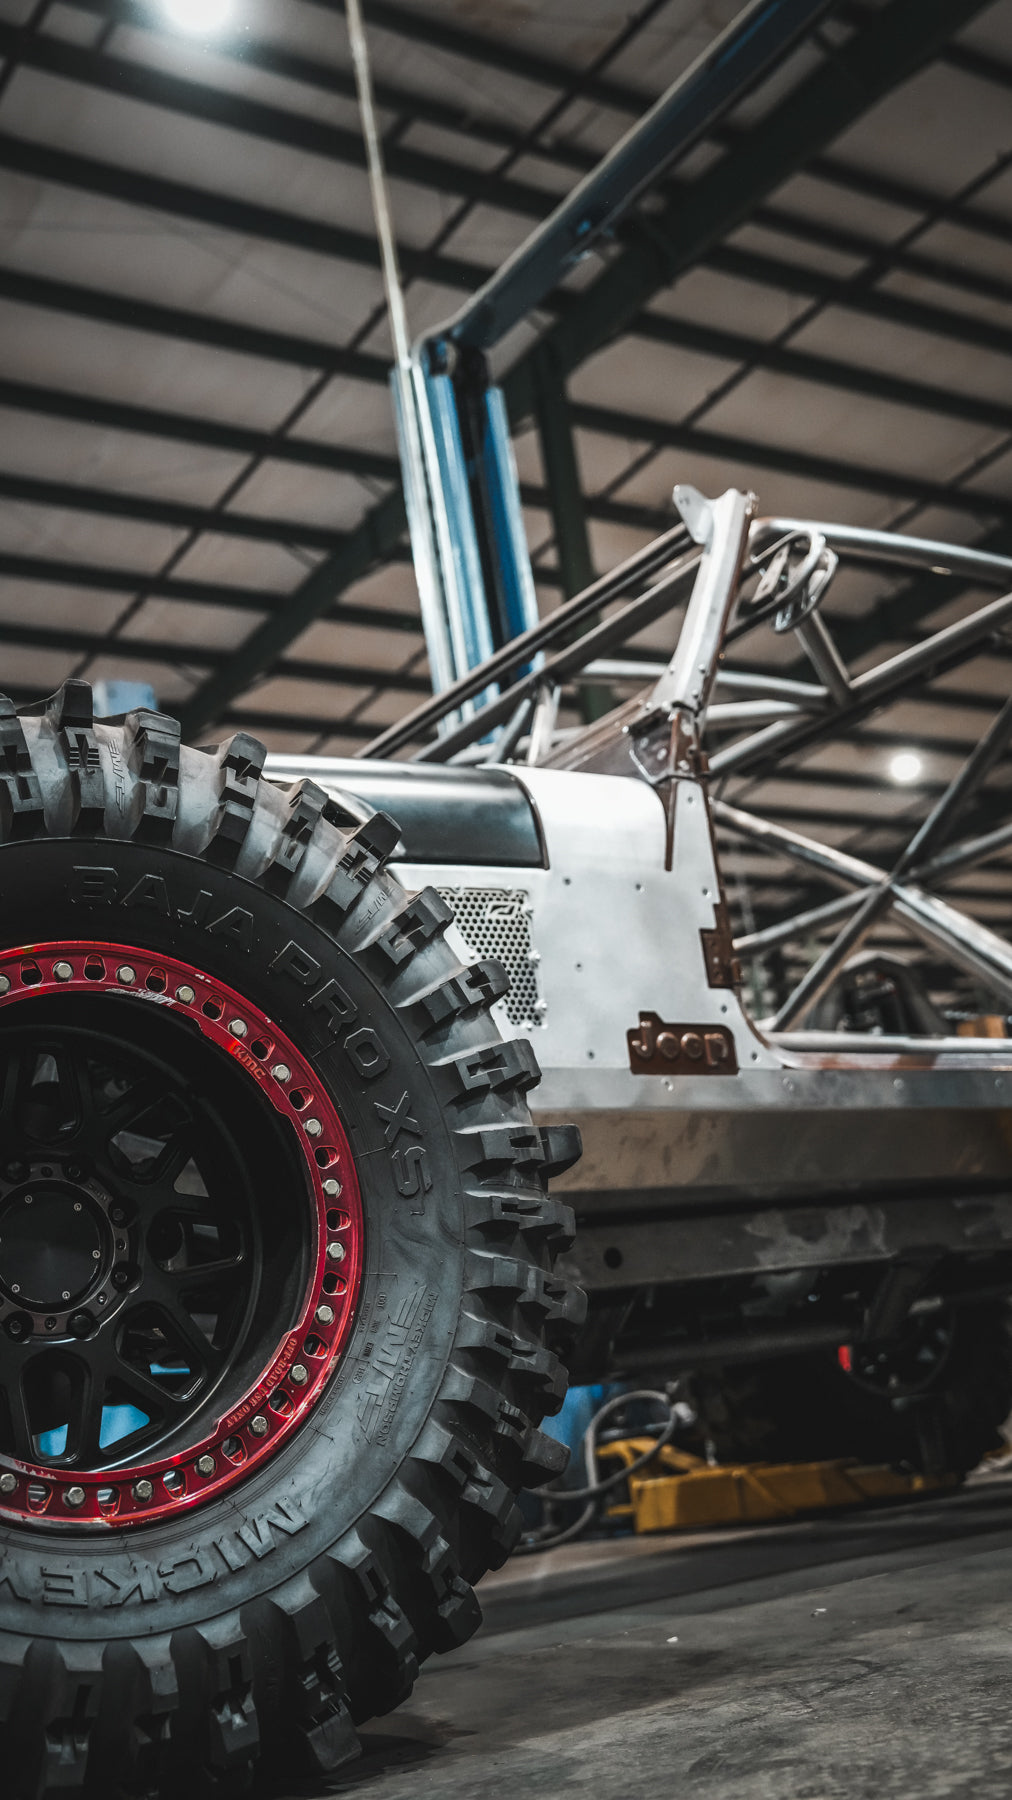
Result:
pixel 497 922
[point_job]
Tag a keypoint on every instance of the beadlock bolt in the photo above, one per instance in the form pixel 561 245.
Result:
pixel 74 1496
pixel 205 1465
pixel 325 1315
pixel 336 1252
pixel 314 1128
pixel 143 1490
pixel 259 1426
pixel 186 994
pixel 331 1188
pixel 281 1072
pixel 237 1027
pixel 8 1484
pixel 62 971
pixel 126 975
pixel 5 986
pixel 300 1374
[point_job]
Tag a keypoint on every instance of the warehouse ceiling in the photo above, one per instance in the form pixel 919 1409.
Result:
pixel 198 475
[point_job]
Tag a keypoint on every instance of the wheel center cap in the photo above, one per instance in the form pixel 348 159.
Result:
pixel 51 1245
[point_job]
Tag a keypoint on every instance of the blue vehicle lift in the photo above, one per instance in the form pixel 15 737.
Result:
pixel 462 495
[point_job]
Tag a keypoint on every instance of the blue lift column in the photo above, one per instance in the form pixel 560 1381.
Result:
pixel 463 498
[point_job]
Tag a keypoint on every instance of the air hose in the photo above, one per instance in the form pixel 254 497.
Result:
pixel 545 1538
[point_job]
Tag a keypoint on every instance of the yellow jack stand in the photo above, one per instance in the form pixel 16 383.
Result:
pixel 691 1493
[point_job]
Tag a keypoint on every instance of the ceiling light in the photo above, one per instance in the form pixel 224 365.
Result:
pixel 200 17
pixel 906 766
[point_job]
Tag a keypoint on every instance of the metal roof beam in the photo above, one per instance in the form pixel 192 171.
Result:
pixel 341 459
pixel 438 174
pixel 242 440
pixel 873 303
pixel 51 571
pixel 227 212
pixel 66 640
pixel 267 123
pixel 109 503
pixel 828 371
pixel 896 42
pixel 498 53
pixel 972 61
pixel 237 336
pixel 195 429
pixel 174 514
pixel 274 59
pixel 805 463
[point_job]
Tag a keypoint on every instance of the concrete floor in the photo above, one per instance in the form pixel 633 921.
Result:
pixel 848 1658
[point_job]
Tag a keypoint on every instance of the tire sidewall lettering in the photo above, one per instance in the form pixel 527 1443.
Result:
pixel 222 1555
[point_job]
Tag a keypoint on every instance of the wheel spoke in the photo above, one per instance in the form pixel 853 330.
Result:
pixel 201 1274
pixel 167 1301
pixel 190 1277
pixel 86 1431
pixel 149 1392
pixel 9 1083
pixel 22 1444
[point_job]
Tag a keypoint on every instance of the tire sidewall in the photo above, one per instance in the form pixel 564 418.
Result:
pixel 110 1583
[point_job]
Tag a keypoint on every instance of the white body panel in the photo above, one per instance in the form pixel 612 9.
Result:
pixel 615 933
pixel 613 928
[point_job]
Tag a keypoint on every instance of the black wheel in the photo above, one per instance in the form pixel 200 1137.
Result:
pixel 931 1402
pixel 278 1321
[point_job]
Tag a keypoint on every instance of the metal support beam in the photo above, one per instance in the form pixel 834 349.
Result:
pixel 764 751
pixel 554 418
pixel 240 338
pixel 177 515
pixel 245 441
pixel 870 303
pixel 553 415
pixel 377 535
pixel 772 454
pixel 895 43
pixel 326 77
pixel 67 641
pixel 226 212
pixel 95 578
pixel 196 429
pixel 442 174
pixel 759 38
pixel 234 335
pixel 267 123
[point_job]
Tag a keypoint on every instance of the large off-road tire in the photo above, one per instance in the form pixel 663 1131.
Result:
pixel 934 1402
pixel 277 1316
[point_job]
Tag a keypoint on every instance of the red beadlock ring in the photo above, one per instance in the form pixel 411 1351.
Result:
pixel 297 1370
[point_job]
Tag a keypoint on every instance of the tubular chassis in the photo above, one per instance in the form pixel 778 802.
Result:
pixel 747 1186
